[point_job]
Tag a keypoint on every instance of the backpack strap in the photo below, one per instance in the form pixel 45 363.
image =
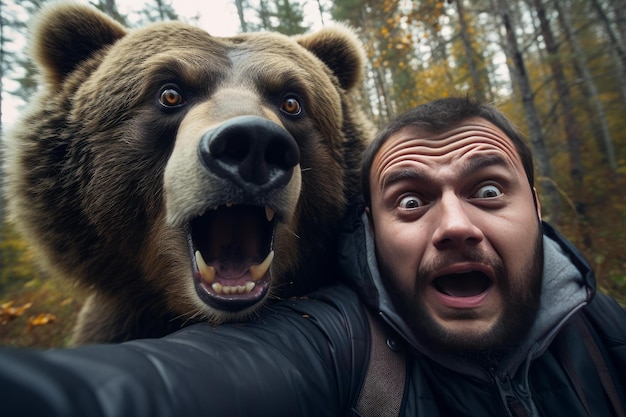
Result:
pixel 383 387
pixel 568 364
pixel 601 367
pixel 582 325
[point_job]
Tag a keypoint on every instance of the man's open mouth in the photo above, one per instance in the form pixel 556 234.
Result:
pixel 232 249
pixel 467 284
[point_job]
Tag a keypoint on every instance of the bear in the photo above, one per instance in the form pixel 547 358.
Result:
pixel 182 177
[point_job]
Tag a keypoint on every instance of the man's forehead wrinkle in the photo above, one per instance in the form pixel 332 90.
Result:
pixel 466 138
pixel 414 149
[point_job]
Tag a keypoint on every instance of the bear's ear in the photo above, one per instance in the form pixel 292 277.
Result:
pixel 340 49
pixel 65 34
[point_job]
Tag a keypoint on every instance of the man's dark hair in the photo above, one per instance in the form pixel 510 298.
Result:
pixel 439 116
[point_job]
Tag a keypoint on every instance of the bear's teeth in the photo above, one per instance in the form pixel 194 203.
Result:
pixel 258 271
pixel 269 214
pixel 233 289
pixel 206 272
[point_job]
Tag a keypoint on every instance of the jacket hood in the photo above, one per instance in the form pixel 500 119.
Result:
pixel 568 284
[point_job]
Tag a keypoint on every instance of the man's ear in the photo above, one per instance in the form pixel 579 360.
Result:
pixel 537 203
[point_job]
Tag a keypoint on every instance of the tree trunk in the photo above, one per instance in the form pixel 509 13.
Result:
pixel 618 52
pixel 589 84
pixel 570 124
pixel 469 52
pixel 619 21
pixel 620 11
pixel 537 140
pixel 321 9
pixel 109 7
pixel 2 66
pixel 387 110
pixel 160 9
pixel 242 20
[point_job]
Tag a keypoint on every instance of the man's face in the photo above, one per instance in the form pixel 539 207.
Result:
pixel 457 235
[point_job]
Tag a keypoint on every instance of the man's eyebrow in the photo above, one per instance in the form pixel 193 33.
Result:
pixel 402 175
pixel 477 163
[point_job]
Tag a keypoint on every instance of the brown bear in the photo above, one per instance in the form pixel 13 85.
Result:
pixel 180 176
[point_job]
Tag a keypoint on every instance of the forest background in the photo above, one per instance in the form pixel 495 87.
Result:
pixel 555 67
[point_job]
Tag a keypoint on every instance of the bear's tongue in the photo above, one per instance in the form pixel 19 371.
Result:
pixel 467 284
pixel 233 238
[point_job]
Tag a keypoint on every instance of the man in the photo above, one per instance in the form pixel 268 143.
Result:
pixel 494 309
pixel 470 276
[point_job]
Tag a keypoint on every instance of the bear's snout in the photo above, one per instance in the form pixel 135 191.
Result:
pixel 255 153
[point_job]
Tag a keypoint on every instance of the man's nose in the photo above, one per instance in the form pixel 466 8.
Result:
pixel 455 225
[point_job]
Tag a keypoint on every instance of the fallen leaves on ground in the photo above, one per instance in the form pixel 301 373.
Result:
pixel 40 320
pixel 8 312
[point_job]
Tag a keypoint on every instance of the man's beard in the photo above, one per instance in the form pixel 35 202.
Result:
pixel 521 296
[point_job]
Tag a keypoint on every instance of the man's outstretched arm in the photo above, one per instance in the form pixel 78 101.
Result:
pixel 306 357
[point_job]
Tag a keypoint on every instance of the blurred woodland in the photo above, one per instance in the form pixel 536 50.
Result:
pixel 556 67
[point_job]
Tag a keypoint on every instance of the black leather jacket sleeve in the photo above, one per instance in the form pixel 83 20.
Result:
pixel 304 357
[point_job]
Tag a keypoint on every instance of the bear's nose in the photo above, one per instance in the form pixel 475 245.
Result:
pixel 253 152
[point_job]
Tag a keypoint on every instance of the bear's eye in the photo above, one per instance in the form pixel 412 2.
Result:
pixel 291 106
pixel 171 97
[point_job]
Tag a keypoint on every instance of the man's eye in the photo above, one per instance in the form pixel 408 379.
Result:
pixel 410 202
pixel 488 191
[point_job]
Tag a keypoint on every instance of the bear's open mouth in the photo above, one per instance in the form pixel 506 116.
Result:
pixel 232 246
pixel 466 284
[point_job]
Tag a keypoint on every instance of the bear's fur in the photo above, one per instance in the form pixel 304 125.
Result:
pixel 146 145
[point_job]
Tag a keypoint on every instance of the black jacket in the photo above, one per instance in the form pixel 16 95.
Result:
pixel 308 357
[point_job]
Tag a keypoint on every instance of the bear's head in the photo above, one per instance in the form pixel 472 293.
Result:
pixel 181 176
